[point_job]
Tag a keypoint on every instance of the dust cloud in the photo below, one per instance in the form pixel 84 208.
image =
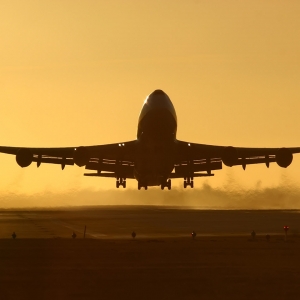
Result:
pixel 231 196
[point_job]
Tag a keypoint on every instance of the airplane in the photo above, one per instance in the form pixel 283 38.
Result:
pixel 155 157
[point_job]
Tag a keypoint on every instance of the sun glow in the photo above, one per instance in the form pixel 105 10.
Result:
pixel 77 74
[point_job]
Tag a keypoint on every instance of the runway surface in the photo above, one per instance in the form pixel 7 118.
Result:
pixel 162 262
pixel 148 222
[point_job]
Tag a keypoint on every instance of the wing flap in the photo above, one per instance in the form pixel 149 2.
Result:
pixel 110 175
pixel 53 160
pixel 192 151
pixel 186 168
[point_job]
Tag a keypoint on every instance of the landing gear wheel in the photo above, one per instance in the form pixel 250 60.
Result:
pixel 122 182
pixel 169 184
pixel 142 184
pixel 188 182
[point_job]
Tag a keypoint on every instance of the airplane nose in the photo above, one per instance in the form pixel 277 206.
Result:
pixel 156 112
pixel 158 92
pixel 158 100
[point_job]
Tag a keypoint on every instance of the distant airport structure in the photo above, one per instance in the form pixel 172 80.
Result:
pixel 155 157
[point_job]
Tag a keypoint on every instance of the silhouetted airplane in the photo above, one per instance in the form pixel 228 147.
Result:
pixel 156 156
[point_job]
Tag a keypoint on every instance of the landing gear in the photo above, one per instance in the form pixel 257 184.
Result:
pixel 188 182
pixel 166 184
pixel 121 181
pixel 140 185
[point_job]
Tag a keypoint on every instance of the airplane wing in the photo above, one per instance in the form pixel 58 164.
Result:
pixel 113 160
pixel 117 160
pixel 192 157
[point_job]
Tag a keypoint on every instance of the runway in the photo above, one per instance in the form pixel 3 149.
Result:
pixel 162 262
pixel 148 222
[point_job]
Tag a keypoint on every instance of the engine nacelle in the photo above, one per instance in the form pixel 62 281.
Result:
pixel 24 157
pixel 230 156
pixel 81 156
pixel 284 157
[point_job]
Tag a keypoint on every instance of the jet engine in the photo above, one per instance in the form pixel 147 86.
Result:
pixel 24 157
pixel 230 156
pixel 81 156
pixel 284 157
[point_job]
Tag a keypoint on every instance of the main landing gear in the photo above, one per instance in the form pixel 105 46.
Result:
pixel 166 184
pixel 121 181
pixel 140 185
pixel 188 181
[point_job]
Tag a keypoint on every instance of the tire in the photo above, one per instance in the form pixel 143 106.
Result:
pixel 169 184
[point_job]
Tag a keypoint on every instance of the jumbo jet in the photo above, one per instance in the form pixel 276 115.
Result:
pixel 156 156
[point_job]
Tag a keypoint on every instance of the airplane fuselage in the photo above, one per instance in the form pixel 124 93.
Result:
pixel 156 137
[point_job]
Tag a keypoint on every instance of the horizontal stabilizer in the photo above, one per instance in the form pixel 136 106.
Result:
pixel 174 175
pixel 111 175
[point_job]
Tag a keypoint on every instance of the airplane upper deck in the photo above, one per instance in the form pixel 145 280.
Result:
pixel 158 100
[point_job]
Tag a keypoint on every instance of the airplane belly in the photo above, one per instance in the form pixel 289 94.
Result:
pixel 154 164
pixel 152 174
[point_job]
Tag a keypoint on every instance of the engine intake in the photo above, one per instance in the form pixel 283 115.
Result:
pixel 81 156
pixel 230 156
pixel 284 157
pixel 24 157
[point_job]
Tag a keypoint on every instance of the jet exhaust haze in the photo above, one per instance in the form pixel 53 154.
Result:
pixel 279 197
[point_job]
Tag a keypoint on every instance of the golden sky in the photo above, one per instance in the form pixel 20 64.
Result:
pixel 77 72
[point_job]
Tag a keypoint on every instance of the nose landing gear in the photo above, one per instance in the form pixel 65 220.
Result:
pixel 122 182
pixel 166 184
pixel 188 182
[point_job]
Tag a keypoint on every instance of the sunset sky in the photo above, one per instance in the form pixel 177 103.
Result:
pixel 77 72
